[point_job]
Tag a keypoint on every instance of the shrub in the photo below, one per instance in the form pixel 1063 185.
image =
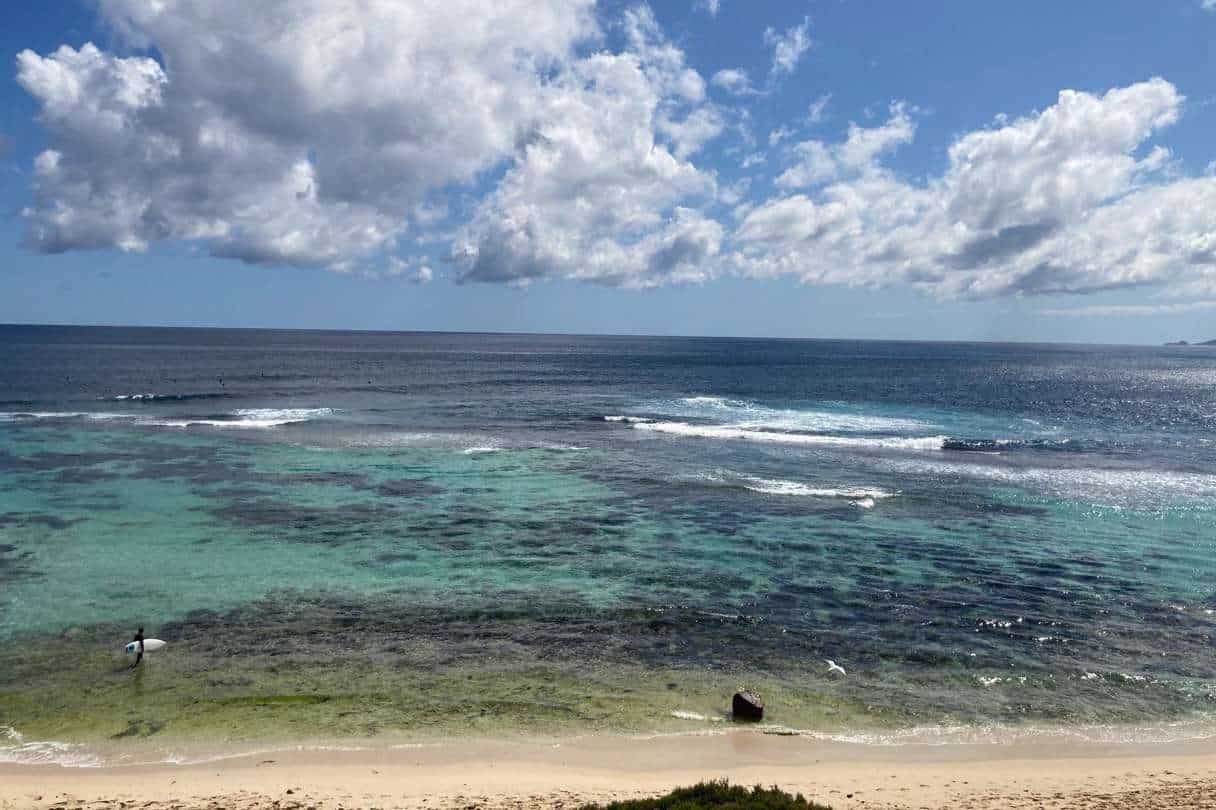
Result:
pixel 717 795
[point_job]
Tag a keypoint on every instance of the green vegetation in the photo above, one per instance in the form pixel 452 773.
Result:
pixel 78 688
pixel 718 795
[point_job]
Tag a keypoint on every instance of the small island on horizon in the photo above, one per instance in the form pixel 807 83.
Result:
pixel 1185 343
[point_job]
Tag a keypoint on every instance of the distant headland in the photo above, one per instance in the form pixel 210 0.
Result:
pixel 1184 343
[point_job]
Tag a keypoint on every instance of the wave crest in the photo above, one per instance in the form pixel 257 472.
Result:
pixel 240 418
pixel 167 397
pixel 775 437
pixel 246 418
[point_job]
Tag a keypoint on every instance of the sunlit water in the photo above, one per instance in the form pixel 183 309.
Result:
pixel 418 535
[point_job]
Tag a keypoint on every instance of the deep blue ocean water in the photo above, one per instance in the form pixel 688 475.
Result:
pixel 979 533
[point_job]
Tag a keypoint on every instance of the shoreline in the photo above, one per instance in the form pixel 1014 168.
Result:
pixel 548 773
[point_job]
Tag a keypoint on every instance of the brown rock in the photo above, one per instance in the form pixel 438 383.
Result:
pixel 747 706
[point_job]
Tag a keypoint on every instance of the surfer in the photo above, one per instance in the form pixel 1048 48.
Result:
pixel 139 654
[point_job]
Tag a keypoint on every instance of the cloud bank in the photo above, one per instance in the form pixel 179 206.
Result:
pixel 528 140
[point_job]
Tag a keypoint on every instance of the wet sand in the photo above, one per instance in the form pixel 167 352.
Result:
pixel 535 774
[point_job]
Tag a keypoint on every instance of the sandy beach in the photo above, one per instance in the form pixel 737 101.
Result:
pixel 566 774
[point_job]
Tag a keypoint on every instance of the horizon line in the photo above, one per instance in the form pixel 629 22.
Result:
pixel 507 333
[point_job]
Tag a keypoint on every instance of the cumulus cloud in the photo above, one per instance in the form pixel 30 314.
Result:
pixel 378 113
pixel 284 132
pixel 788 46
pixel 509 141
pixel 596 196
pixel 819 162
pixel 1069 200
pixel 713 6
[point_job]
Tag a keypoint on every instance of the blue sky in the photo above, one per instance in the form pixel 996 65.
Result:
pixel 822 169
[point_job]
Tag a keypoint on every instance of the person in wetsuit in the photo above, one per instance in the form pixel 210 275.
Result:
pixel 139 653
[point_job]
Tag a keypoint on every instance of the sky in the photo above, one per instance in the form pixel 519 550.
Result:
pixel 835 168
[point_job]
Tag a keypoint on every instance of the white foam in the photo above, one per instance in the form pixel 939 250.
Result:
pixel 630 419
pixel 735 432
pixel 247 418
pixel 999 734
pixel 1108 488
pixel 15 749
pixel 22 416
pixel 795 488
pixel 474 451
pixel 241 418
pixel 683 715
pixel 741 413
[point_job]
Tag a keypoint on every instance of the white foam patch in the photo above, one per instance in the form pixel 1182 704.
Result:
pixel 1112 488
pixel 29 416
pixel 624 418
pixel 242 418
pixel 683 715
pixel 15 749
pixel 247 418
pixel 738 433
pixel 999 734
pixel 795 488
pixel 745 414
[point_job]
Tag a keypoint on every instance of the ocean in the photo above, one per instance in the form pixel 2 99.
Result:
pixel 415 536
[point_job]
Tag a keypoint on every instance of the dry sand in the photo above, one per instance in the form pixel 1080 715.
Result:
pixel 546 774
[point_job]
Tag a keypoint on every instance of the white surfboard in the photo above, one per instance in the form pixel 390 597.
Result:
pixel 150 645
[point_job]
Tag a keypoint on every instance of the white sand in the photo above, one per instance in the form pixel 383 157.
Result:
pixel 566 774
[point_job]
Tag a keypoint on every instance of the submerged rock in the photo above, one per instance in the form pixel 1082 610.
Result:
pixel 747 706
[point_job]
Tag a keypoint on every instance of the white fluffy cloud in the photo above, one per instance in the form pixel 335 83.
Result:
pixel 595 196
pixel 284 131
pixel 1071 199
pixel 508 139
pixel 819 162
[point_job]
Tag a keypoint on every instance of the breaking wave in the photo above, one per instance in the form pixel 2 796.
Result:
pixel 794 488
pixel 167 397
pixel 745 414
pixel 16 750
pixel 240 418
pixel 737 432
pixel 862 496
pixel 246 418
pixel 31 416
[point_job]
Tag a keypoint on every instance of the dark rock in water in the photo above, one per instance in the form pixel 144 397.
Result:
pixel 139 728
pixel 747 706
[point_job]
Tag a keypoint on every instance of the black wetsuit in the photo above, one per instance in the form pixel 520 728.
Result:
pixel 139 655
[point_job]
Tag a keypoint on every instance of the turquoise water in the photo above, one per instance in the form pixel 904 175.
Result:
pixel 418 535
